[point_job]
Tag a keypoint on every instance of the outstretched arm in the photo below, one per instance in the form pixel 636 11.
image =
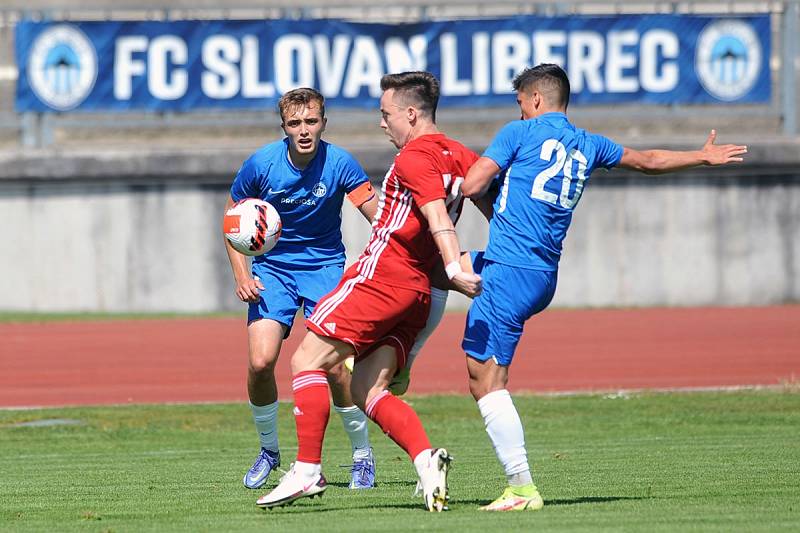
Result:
pixel 662 161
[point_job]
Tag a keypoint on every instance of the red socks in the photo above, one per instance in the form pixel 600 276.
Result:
pixel 400 423
pixel 311 413
pixel 312 410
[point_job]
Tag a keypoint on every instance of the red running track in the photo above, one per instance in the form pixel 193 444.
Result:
pixel 191 360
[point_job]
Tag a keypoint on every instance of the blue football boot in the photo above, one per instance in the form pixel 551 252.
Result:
pixel 363 472
pixel 266 462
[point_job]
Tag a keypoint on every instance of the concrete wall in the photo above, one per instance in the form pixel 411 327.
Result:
pixel 120 247
pixel 115 234
pixel 691 240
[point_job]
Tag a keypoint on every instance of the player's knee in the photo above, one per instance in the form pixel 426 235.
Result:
pixel 481 389
pixel 485 379
pixel 262 364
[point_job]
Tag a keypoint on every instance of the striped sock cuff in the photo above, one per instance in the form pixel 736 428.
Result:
pixel 309 378
pixel 371 405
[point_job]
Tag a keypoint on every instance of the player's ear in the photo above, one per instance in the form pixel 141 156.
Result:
pixel 324 124
pixel 411 114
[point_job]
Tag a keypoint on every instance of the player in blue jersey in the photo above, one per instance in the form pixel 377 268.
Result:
pixel 542 163
pixel 306 179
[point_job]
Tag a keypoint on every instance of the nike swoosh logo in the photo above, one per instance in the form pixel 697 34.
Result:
pixel 301 491
pixel 270 191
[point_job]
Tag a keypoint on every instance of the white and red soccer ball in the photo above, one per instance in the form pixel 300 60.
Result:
pixel 252 226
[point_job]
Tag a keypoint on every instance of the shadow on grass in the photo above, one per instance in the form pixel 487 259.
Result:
pixel 309 507
pixel 305 506
pixel 321 507
pixel 566 501
pixel 593 499
pixel 346 485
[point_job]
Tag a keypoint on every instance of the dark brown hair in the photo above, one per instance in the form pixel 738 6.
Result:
pixel 417 88
pixel 548 79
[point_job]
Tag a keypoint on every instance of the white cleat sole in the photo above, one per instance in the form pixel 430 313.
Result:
pixel 289 500
pixel 439 499
pixel 311 491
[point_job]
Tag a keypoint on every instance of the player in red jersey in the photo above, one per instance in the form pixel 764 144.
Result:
pixel 382 301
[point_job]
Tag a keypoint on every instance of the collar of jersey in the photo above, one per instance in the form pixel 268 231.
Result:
pixel 426 136
pixel 553 115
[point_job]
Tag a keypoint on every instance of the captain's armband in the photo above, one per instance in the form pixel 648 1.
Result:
pixel 361 194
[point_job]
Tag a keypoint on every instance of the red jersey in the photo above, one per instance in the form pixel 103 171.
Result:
pixel 401 251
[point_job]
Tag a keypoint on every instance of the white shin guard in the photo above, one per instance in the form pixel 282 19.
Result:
pixel 505 431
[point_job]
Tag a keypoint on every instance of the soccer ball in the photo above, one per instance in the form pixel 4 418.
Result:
pixel 252 226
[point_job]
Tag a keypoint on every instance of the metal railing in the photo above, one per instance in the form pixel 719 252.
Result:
pixel 37 129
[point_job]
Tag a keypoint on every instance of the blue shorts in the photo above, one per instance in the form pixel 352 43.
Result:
pixel 288 288
pixel 510 296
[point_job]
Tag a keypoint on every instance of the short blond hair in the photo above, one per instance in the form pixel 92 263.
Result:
pixel 301 97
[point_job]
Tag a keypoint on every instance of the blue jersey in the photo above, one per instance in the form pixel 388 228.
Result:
pixel 546 163
pixel 308 200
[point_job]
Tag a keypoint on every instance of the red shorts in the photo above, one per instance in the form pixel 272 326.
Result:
pixel 368 314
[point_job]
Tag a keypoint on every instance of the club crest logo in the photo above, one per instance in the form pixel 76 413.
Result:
pixel 319 190
pixel 728 59
pixel 62 68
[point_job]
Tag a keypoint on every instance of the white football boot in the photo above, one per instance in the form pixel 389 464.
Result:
pixel 295 484
pixel 432 466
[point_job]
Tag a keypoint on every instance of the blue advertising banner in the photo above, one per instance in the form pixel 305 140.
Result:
pixel 186 65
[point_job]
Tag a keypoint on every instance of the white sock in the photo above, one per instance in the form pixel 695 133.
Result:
pixel 520 480
pixel 355 425
pixel 266 419
pixel 438 303
pixel 307 469
pixel 505 431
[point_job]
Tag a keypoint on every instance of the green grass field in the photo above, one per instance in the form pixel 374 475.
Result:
pixel 723 461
